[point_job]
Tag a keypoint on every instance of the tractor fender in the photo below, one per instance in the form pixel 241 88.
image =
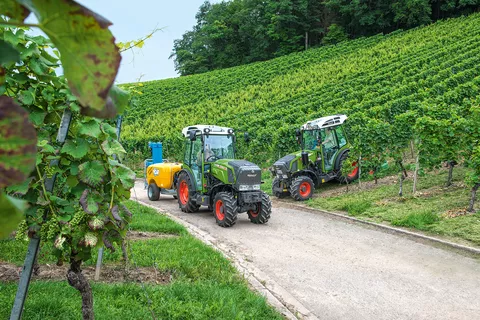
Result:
pixel 310 173
pixel 341 154
pixel 192 178
pixel 219 188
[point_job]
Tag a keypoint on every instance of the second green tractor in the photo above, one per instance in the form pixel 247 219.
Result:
pixel 324 151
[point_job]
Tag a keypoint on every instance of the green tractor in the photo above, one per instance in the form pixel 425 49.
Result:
pixel 211 177
pixel 324 150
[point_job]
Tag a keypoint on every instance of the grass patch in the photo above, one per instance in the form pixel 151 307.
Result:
pixel 356 207
pixel 148 219
pixel 423 211
pixel 205 284
pixel 420 221
pixel 180 300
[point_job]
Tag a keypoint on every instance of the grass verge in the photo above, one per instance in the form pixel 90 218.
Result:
pixel 435 209
pixel 205 285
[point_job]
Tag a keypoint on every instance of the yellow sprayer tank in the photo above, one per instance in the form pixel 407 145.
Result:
pixel 162 174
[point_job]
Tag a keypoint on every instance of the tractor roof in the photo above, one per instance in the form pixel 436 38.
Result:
pixel 325 122
pixel 200 128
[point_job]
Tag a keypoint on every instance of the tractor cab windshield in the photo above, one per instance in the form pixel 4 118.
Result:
pixel 311 139
pixel 219 147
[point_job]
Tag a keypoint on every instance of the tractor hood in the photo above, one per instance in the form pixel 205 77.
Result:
pixel 237 172
pixel 283 165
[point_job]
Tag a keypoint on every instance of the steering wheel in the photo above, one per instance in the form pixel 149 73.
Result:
pixel 212 156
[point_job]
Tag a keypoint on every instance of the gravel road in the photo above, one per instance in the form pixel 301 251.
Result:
pixel 343 270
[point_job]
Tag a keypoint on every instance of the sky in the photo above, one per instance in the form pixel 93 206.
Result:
pixel 133 20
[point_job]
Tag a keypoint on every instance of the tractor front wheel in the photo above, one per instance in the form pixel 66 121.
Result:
pixel 302 188
pixel 262 212
pixel 153 192
pixel 185 194
pixel 225 209
pixel 276 193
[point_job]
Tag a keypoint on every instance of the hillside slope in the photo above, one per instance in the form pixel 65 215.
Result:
pixel 437 65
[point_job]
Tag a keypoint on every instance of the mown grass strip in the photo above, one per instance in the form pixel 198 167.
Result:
pixel 205 285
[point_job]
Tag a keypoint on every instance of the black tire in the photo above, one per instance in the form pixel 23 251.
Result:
pixel 279 194
pixel 225 209
pixel 185 196
pixel 264 209
pixel 153 192
pixel 350 177
pixel 302 188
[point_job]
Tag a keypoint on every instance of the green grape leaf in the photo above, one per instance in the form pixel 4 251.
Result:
pixel 11 213
pixel 90 128
pixel 92 173
pixel 8 53
pixel 12 9
pixel 123 173
pixel 26 97
pixel 76 148
pixel 88 202
pixel 109 130
pixel 72 181
pixel 18 143
pixel 121 98
pixel 89 56
pixel 21 188
pixel 111 147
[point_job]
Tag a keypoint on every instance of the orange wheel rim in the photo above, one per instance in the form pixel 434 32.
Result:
pixel 305 189
pixel 183 192
pixel 220 210
pixel 254 213
pixel 354 172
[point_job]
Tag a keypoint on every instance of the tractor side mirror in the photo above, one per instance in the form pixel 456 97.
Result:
pixel 191 135
pixel 298 134
pixel 246 137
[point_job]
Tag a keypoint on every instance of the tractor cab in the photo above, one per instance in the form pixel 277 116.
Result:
pixel 324 137
pixel 211 176
pixel 206 145
pixel 324 149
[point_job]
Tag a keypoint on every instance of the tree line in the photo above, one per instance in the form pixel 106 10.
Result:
pixel 237 32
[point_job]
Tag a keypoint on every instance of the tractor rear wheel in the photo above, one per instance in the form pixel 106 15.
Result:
pixel 185 193
pixel 351 176
pixel 302 188
pixel 262 212
pixel 225 209
pixel 153 192
pixel 278 194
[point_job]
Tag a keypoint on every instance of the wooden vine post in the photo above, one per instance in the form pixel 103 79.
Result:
pixel 98 266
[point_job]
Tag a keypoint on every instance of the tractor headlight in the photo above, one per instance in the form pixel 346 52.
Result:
pixel 244 187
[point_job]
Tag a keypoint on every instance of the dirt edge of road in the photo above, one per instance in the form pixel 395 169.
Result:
pixel 276 296
pixel 419 237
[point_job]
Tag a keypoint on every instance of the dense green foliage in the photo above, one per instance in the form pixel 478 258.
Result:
pixel 393 74
pixel 236 32
pixel 63 177
pixel 80 212
pixel 420 86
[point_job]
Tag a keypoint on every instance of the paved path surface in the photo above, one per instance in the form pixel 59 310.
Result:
pixel 343 270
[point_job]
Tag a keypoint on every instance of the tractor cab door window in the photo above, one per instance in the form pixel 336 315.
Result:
pixel 196 161
pixel 188 152
pixel 330 145
pixel 342 140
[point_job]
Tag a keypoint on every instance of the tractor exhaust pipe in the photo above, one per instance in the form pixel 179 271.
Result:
pixel 305 158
